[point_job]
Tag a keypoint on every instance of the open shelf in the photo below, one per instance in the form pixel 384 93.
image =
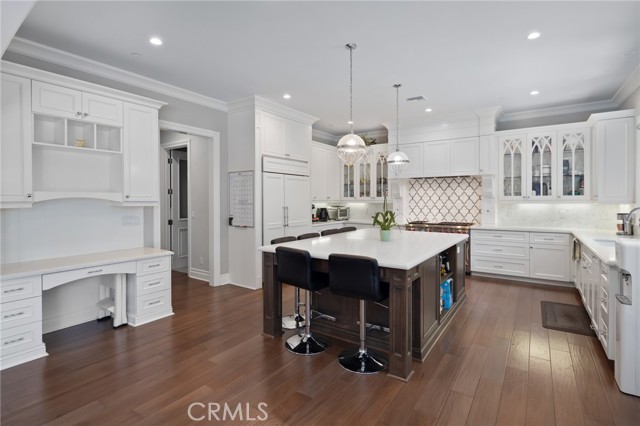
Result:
pixel 49 130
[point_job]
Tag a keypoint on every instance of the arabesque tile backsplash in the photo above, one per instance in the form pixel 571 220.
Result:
pixel 447 199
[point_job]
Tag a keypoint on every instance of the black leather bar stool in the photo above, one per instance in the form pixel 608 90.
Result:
pixel 294 268
pixel 331 231
pixel 309 235
pixel 291 322
pixel 348 229
pixel 358 277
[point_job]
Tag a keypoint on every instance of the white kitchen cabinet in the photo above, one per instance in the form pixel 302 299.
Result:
pixel 437 158
pixel 415 168
pixel 348 181
pixel 615 160
pixel 536 255
pixel 140 154
pixel 15 149
pixel 61 101
pixel 325 173
pixel 455 157
pixel 546 163
pixel 548 254
pixel 286 211
pixel 283 137
pixel 368 178
pixel 488 155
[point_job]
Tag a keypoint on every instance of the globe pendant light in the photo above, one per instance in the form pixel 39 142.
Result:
pixel 398 160
pixel 351 147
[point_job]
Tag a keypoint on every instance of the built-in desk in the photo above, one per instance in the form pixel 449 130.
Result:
pixel 146 273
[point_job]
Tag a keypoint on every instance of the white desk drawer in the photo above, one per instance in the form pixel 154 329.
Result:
pixel 20 288
pixel 20 338
pixel 153 283
pixel 522 237
pixel 157 264
pixel 546 238
pixel 50 281
pixel 518 268
pixel 19 312
pixel 153 303
pixel 489 248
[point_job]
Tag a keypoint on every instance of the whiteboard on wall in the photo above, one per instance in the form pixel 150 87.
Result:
pixel 241 199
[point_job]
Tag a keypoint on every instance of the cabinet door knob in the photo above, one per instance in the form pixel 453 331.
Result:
pixel 78 113
pixel 29 195
pixel 126 196
pixel 85 114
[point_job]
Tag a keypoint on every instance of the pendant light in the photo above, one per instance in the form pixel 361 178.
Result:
pixel 351 147
pixel 398 160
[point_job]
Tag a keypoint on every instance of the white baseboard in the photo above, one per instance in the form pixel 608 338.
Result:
pixel 245 286
pixel 199 274
pixel 523 279
pixel 134 321
pixel 69 319
pixel 224 279
pixel 24 356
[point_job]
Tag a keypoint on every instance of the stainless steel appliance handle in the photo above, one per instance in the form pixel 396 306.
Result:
pixel 623 299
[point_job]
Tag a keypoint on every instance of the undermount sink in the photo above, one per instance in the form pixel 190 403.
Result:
pixel 610 243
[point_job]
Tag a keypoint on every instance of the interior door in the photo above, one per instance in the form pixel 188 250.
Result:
pixel 179 208
pixel 297 204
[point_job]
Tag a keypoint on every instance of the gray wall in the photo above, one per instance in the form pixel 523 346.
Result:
pixel 177 111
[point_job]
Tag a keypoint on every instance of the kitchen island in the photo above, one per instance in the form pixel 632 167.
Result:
pixel 410 263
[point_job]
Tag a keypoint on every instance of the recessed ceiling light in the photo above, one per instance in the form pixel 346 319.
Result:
pixel 534 35
pixel 534 92
pixel 428 110
pixel 286 96
pixel 155 41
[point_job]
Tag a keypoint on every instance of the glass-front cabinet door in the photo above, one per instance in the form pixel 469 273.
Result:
pixel 512 167
pixel 348 181
pixel 364 178
pixel 574 164
pixel 382 175
pixel 541 169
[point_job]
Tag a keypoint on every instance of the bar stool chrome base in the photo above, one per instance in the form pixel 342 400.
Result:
pixel 302 344
pixel 361 362
pixel 291 322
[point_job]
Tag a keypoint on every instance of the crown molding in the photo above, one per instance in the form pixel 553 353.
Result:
pixel 628 87
pixel 560 110
pixel 322 136
pixel 78 63
pixel 285 111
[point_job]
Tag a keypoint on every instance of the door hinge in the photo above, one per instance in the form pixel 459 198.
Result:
pixel 170 191
pixel 170 160
pixel 170 222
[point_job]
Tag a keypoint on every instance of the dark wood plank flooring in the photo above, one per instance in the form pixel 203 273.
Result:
pixel 494 364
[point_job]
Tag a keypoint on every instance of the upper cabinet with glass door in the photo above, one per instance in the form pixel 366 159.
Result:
pixel 382 171
pixel 512 166
pixel 549 163
pixel 368 178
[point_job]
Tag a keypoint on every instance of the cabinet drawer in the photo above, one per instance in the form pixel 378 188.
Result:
pixel 545 238
pixel 153 303
pixel 512 236
pixel 512 250
pixel 58 278
pixel 153 282
pixel 23 337
pixel 19 312
pixel 157 264
pixel 20 288
pixel 603 295
pixel 518 268
pixel 603 335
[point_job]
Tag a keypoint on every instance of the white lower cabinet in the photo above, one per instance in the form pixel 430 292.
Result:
pixel 521 254
pixel 149 291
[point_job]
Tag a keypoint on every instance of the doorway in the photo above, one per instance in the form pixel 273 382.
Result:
pixel 178 202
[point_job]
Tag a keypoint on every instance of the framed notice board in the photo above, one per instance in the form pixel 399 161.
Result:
pixel 241 199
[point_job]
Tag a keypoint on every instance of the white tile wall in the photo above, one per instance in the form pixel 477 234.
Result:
pixel 447 199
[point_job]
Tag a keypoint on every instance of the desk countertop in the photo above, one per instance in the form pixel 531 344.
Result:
pixel 405 250
pixel 57 264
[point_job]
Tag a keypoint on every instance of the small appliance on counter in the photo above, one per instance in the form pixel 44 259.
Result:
pixel 322 214
pixel 338 213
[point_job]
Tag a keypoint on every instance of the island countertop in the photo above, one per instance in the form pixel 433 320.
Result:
pixel 405 250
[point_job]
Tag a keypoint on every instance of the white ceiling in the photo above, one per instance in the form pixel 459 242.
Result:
pixel 460 55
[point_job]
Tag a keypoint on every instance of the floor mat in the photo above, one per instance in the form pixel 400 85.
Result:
pixel 563 317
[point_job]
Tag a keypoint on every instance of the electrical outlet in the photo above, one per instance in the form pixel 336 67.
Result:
pixel 130 220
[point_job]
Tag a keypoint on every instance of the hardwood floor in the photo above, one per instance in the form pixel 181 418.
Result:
pixel 495 364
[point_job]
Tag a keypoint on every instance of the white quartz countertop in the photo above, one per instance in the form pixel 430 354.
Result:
pixel 57 264
pixel 599 241
pixel 405 250
pixel 343 222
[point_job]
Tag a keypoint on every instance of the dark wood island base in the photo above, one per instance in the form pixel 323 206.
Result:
pixel 414 318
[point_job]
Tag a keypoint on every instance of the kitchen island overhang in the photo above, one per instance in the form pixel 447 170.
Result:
pixel 412 265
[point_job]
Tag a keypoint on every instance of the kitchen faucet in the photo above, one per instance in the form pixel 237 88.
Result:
pixel 628 225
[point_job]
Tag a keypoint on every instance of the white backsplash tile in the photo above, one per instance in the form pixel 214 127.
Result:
pixel 570 215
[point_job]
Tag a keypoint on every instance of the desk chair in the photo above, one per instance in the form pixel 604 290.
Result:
pixel 294 268
pixel 358 277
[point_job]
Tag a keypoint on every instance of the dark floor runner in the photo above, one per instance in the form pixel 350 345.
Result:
pixel 563 317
